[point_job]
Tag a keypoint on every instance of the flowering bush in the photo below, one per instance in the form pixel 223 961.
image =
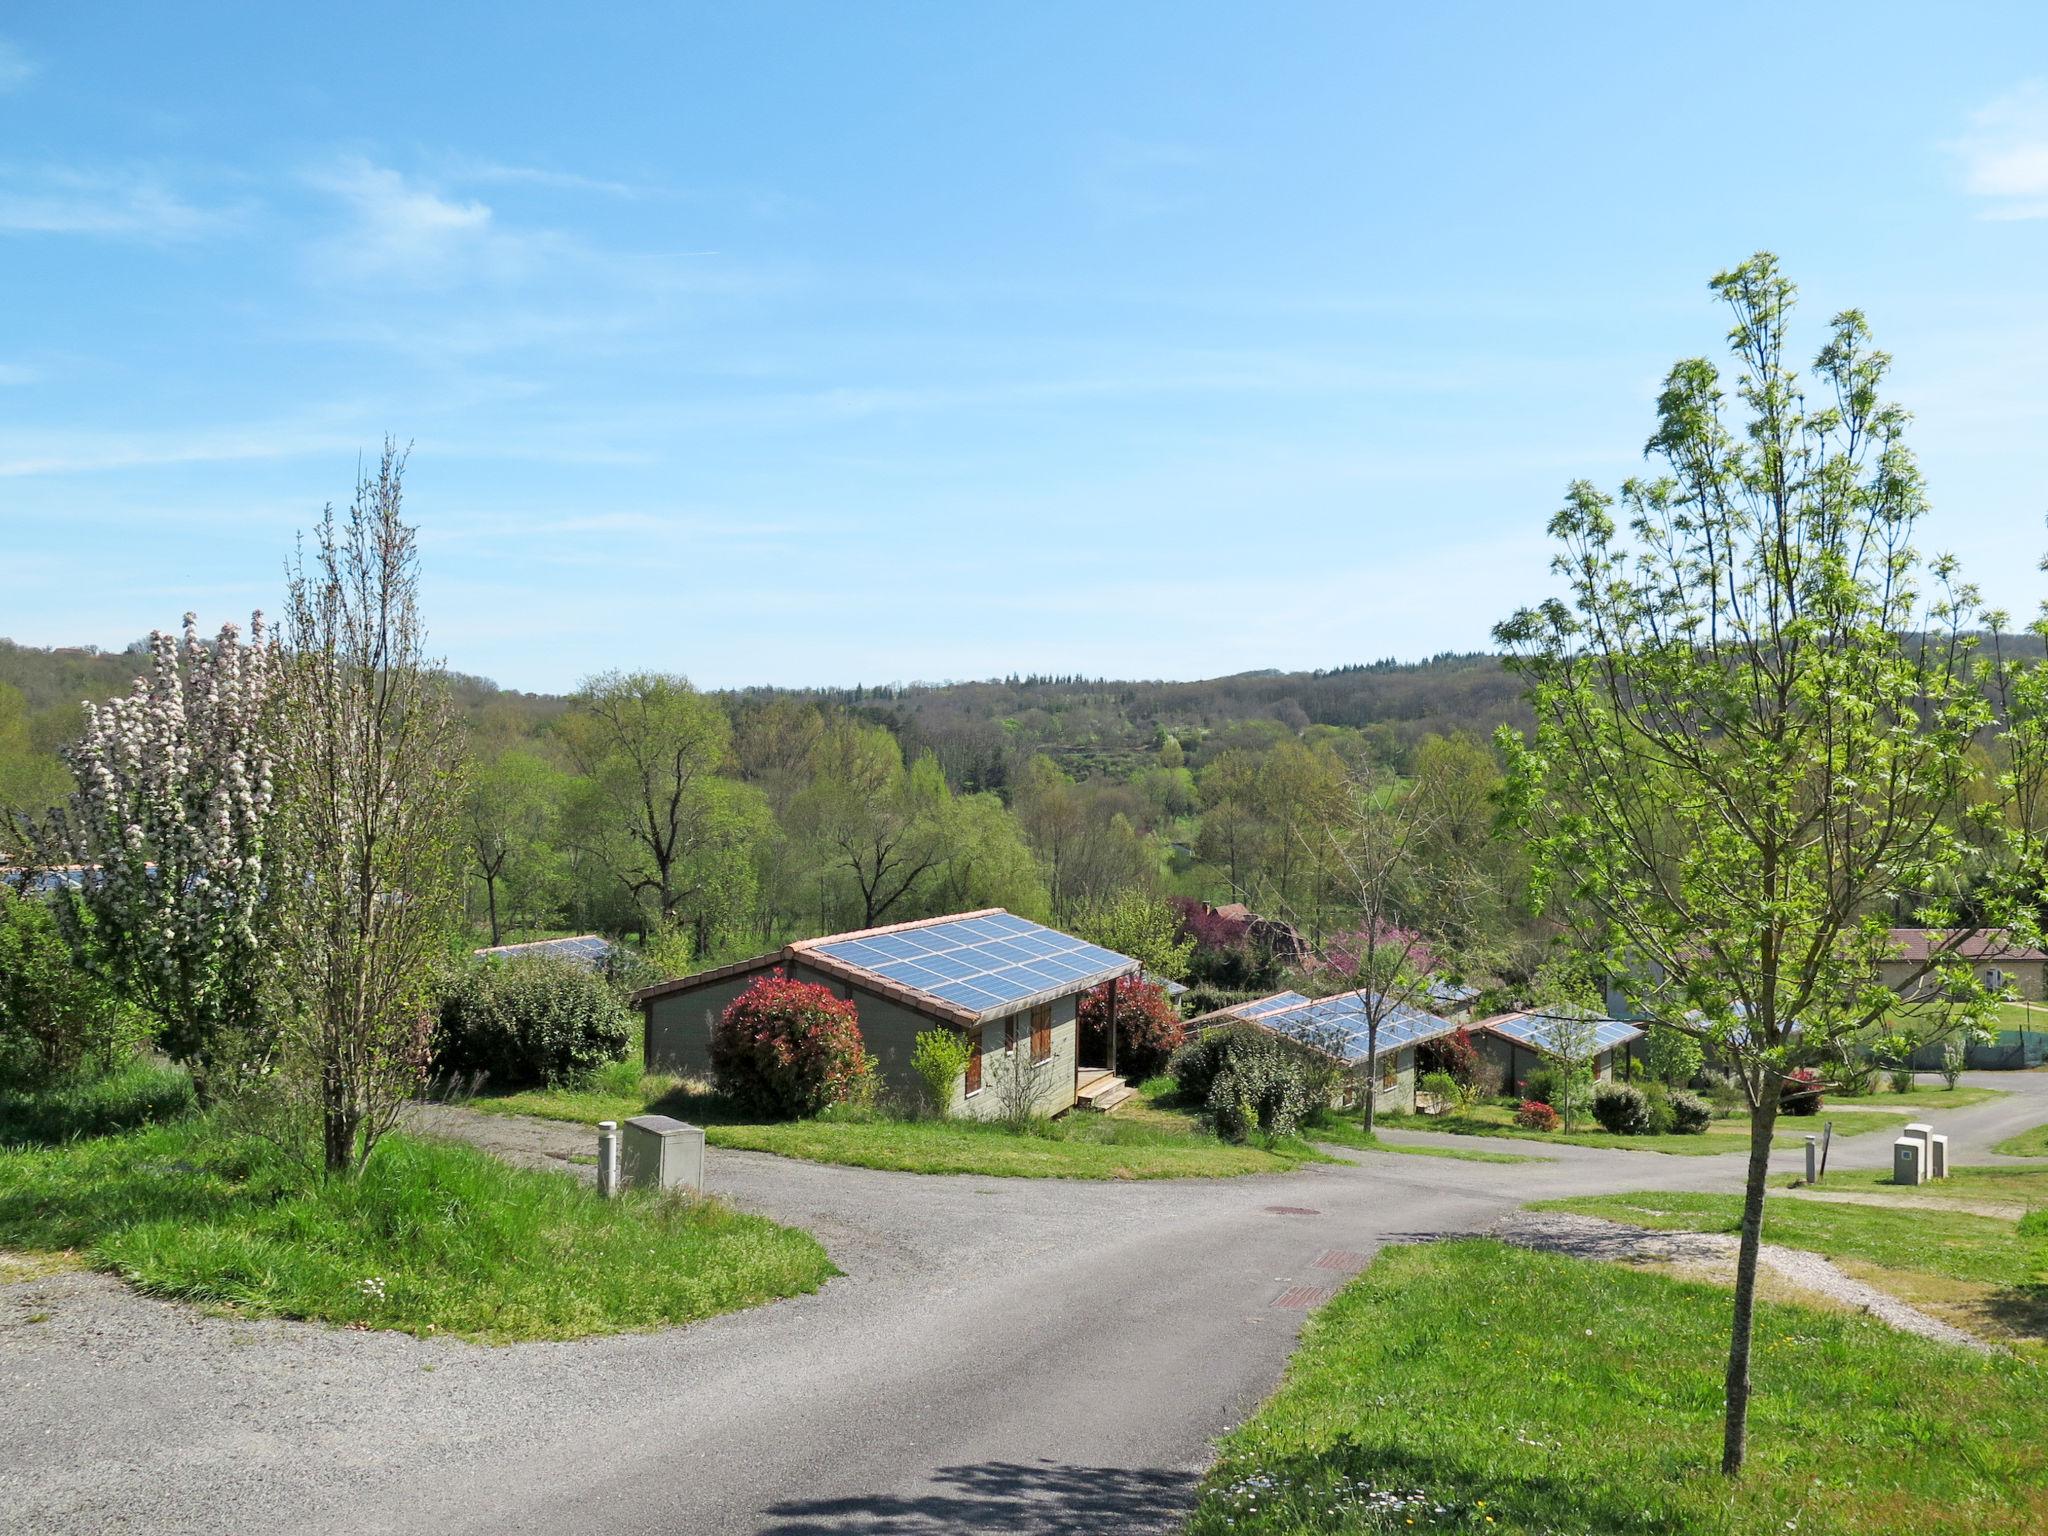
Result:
pixel 1455 1054
pixel 1148 1030
pixel 1535 1115
pixel 1250 1079
pixel 789 1047
pixel 1801 1093
pixel 1689 1113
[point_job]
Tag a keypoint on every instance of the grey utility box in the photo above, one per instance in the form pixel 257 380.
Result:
pixel 1937 1157
pixel 659 1153
pixel 1909 1160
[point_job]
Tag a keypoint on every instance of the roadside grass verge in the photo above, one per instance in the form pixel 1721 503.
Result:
pixel 432 1238
pixel 1958 1244
pixel 1519 1392
pixel 135 1094
pixel 2032 1143
pixel 1149 1138
pixel 1339 1131
pixel 1731 1135
pixel 1922 1096
pixel 2007 1186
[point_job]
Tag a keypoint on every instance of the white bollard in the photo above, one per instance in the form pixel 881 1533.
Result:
pixel 607 1158
pixel 1937 1163
pixel 1812 1158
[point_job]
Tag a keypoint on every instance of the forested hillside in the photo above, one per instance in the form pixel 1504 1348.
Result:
pixel 734 819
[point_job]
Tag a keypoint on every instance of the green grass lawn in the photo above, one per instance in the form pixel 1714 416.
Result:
pixel 431 1239
pixel 1474 1387
pixel 2032 1143
pixel 1343 1132
pixel 2005 1186
pixel 134 1094
pixel 1731 1135
pixel 1148 1138
pixel 1923 1096
pixel 1952 1243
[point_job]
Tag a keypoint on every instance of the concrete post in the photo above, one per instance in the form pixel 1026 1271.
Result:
pixel 1909 1160
pixel 607 1158
pixel 1812 1158
pixel 1937 1163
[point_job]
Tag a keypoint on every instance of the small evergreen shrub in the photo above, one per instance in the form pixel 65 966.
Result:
pixel 1621 1109
pixel 790 1048
pixel 1690 1114
pixel 1543 1084
pixel 1249 1079
pixel 56 1019
pixel 1535 1115
pixel 1442 1087
pixel 1148 1029
pixel 1801 1094
pixel 530 1022
pixel 939 1058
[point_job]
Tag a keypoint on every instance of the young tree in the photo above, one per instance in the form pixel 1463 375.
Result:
pixel 372 789
pixel 1145 927
pixel 1752 730
pixel 1375 842
pixel 871 819
pixel 173 816
pixel 508 822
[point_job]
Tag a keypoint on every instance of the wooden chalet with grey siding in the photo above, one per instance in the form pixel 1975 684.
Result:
pixel 1008 985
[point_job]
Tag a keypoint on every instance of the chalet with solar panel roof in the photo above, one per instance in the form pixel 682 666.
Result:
pixel 1519 1042
pixel 1337 1029
pixel 585 949
pixel 1010 986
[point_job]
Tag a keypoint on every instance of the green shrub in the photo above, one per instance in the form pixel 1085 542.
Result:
pixel 1544 1084
pixel 1723 1092
pixel 939 1058
pixel 1658 1097
pixel 1442 1087
pixel 1690 1113
pixel 1673 1056
pixel 1858 1078
pixel 531 1022
pixel 1621 1109
pixel 1250 1079
pixel 55 1018
pixel 94 1103
pixel 1955 1054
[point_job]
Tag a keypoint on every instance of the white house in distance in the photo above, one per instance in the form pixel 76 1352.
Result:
pixel 1008 984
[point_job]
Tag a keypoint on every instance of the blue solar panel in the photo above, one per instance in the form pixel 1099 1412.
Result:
pixel 988 963
pixel 1541 1033
pixel 1266 1005
pixel 1340 1026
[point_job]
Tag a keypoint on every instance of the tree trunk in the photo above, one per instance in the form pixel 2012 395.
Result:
pixel 1763 1121
pixel 1372 1078
pixel 491 895
pixel 338 1126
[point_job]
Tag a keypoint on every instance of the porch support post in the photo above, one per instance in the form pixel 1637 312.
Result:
pixel 1112 1024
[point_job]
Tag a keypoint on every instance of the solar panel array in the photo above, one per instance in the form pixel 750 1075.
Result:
pixel 588 949
pixel 986 964
pixel 1339 1027
pixel 1539 1033
pixel 1266 1005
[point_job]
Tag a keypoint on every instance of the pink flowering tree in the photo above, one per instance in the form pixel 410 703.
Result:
pixel 172 819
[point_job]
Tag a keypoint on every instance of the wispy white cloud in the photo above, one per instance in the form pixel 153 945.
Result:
pixel 495 173
pixel 399 226
pixel 2004 156
pixel 132 204
pixel 15 67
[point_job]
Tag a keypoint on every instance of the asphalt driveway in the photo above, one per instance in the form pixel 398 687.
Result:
pixel 1002 1355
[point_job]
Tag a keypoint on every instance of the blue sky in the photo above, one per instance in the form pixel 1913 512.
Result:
pixel 831 343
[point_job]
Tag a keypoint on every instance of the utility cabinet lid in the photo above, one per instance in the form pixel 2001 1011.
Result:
pixel 661 1125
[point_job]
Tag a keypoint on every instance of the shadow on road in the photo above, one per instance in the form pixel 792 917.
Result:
pixel 1037 1498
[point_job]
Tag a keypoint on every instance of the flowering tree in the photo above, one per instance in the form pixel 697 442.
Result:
pixel 173 817
pixel 370 822
pixel 1147 1027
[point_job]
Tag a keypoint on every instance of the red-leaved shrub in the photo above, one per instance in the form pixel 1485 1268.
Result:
pixel 1455 1054
pixel 789 1047
pixel 1148 1029
pixel 1535 1115
pixel 1801 1093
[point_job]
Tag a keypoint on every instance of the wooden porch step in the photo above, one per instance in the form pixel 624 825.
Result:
pixel 1105 1102
pixel 1099 1089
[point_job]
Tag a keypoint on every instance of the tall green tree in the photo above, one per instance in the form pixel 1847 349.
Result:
pixel 1754 708
pixel 872 821
pixel 509 823
pixel 650 749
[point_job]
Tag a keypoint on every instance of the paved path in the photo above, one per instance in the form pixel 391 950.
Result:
pixel 1005 1355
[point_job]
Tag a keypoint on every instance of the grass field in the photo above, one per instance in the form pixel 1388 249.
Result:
pixel 431 1239
pixel 2032 1143
pixel 1147 1139
pixel 2006 1186
pixel 1730 1135
pixel 1925 1095
pixel 1952 1243
pixel 94 1103
pixel 1473 1387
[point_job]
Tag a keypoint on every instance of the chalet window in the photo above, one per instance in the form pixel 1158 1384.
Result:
pixel 1009 1037
pixel 1041 1033
pixel 974 1063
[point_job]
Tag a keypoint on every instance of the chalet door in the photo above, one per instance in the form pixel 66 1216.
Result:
pixel 974 1062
